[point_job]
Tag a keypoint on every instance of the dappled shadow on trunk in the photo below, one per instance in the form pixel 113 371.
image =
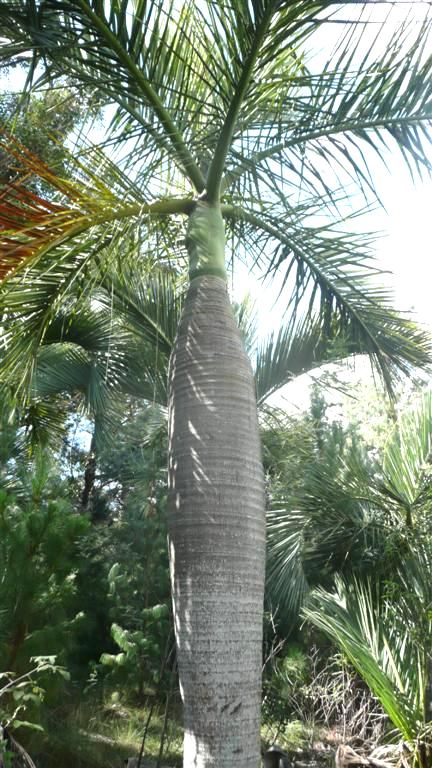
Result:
pixel 217 533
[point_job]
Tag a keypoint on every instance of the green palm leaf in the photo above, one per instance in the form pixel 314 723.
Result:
pixel 92 350
pixel 379 649
pixel 115 53
pixel 326 120
pixel 331 523
pixel 408 454
pixel 344 515
pixel 66 247
pixel 149 304
pixel 297 349
pixel 334 273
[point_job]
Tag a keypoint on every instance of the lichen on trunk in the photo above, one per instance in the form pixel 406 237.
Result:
pixel 216 520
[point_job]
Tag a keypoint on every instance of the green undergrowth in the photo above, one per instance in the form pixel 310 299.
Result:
pixel 305 742
pixel 96 736
pixel 294 737
pixel 297 736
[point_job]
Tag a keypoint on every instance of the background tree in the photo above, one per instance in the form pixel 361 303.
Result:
pixel 43 123
pixel 379 611
pixel 321 519
pixel 39 557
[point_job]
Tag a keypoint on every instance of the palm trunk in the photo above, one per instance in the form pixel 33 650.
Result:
pixel 216 524
pixel 18 639
pixel 89 474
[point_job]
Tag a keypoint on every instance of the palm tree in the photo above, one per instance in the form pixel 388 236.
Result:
pixel 385 634
pixel 223 133
pixel 325 515
pixel 346 514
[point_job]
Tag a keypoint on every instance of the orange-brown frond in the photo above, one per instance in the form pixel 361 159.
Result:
pixel 28 221
pixel 29 164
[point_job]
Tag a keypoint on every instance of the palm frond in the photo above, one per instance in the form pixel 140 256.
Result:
pixel 294 350
pixel 202 86
pixel 32 225
pixel 332 274
pixel 408 455
pixel 64 246
pixel 150 304
pixel 323 127
pixel 245 27
pixel 129 55
pixel 331 523
pixel 246 320
pixel 229 85
pixel 287 582
pixel 93 350
pixel 44 421
pixel 342 514
pixel 61 368
pixel 378 646
pixel 259 45
pixel 85 352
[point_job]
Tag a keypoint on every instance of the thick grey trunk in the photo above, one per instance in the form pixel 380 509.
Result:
pixel 216 532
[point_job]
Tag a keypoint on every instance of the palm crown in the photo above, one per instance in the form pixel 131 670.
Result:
pixel 216 100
